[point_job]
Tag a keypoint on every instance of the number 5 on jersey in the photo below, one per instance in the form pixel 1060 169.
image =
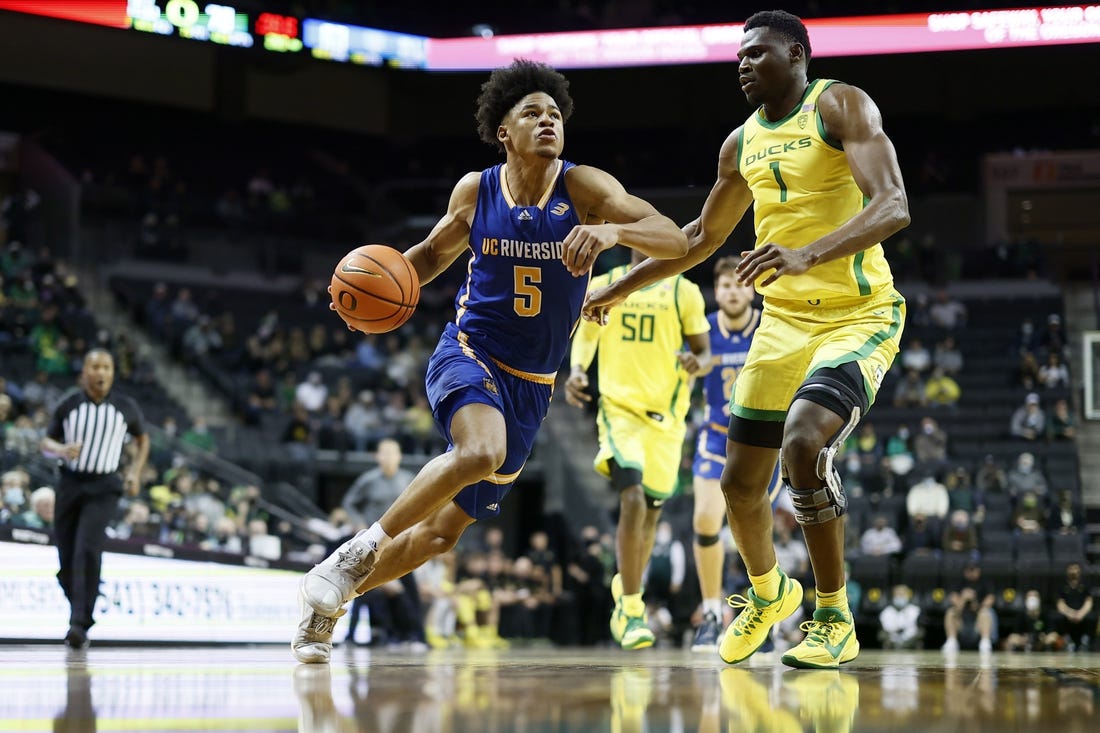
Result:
pixel 528 300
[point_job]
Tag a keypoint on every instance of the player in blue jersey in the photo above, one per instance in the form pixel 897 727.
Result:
pixel 731 330
pixel 533 226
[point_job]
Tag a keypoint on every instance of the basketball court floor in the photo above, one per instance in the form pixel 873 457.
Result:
pixel 261 688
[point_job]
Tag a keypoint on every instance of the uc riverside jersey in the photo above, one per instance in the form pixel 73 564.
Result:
pixel 519 303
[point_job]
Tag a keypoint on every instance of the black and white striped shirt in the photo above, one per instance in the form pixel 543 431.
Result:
pixel 101 429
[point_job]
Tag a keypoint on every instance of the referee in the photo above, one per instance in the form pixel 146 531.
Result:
pixel 87 433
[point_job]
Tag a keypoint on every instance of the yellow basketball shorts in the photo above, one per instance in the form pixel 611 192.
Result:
pixel 796 338
pixel 652 444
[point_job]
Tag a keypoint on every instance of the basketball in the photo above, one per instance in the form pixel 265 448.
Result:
pixel 374 289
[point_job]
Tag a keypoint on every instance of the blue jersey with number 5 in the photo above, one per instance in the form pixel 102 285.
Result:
pixel 519 303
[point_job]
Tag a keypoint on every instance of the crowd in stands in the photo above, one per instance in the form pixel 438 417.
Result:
pixel 298 373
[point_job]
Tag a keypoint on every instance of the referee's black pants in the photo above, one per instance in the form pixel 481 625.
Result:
pixel 80 523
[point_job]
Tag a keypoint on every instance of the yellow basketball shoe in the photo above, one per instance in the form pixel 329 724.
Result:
pixel 827 699
pixel 618 623
pixel 830 641
pixel 636 633
pixel 750 629
pixel 747 702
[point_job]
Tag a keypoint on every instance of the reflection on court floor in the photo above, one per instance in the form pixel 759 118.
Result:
pixel 552 690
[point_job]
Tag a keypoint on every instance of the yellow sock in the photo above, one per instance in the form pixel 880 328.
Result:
pixel 836 599
pixel 766 586
pixel 633 605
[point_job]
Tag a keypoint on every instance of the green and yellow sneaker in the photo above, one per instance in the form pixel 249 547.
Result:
pixel 830 641
pixel 618 623
pixel 750 629
pixel 636 633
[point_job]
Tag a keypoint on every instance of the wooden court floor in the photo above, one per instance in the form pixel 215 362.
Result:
pixel 261 688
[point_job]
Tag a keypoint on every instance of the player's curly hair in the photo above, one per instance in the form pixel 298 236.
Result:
pixel 508 85
pixel 786 23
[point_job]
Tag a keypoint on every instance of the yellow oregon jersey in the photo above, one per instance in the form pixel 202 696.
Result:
pixel 639 369
pixel 802 189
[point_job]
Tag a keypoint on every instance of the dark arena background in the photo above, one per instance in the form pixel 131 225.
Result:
pixel 178 180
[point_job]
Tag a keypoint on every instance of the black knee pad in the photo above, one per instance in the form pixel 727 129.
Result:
pixel 840 389
pixel 623 478
pixel 706 540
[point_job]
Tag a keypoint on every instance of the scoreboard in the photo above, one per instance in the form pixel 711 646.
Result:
pixel 213 22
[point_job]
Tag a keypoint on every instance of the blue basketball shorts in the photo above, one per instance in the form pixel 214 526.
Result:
pixel 710 452
pixel 460 374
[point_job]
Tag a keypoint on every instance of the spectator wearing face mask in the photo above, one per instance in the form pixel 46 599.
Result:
pixel 1030 515
pixel 1061 424
pixel 959 534
pixel 1075 620
pixel 880 538
pixel 1028 421
pixel 40 515
pixel 1033 630
pixel 898 451
pixel 970 620
pixel 14 487
pixel 928 497
pixel 930 445
pixel 990 477
pixel 1026 477
pixel 900 621
pixel 920 537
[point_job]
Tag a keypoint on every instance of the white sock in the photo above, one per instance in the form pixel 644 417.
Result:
pixel 713 605
pixel 375 537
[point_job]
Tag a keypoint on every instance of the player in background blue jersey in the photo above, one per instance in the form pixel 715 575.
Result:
pixel 731 330
pixel 533 227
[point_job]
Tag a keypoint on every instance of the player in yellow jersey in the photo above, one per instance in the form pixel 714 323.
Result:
pixel 823 178
pixel 645 392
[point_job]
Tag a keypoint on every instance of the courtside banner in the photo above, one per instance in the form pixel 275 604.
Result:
pixel 149 599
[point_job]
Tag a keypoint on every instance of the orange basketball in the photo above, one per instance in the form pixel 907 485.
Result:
pixel 374 288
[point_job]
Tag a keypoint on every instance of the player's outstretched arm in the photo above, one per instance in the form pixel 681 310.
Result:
pixel 726 203
pixel 628 219
pixel 451 234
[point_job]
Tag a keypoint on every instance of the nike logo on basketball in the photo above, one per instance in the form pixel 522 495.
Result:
pixel 748 140
pixel 352 268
